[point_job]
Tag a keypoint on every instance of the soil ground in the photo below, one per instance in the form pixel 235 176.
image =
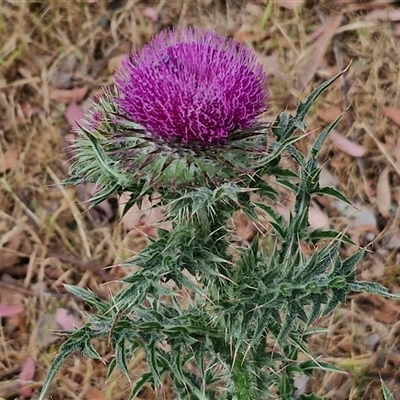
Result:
pixel 56 55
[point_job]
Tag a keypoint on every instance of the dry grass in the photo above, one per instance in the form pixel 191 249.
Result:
pixel 48 238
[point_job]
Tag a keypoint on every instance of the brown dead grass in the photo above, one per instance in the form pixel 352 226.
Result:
pixel 48 238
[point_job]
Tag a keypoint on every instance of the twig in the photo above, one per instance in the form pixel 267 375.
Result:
pixel 83 265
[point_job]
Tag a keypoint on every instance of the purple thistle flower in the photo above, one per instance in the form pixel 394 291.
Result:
pixel 192 87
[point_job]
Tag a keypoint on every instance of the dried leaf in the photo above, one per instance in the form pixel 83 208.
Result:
pixel 27 373
pixel 245 230
pixel 28 110
pixel 364 234
pixel 369 187
pixel 9 388
pixel 397 30
pixel 273 67
pixel 47 327
pixel 327 179
pixel 316 33
pixel 393 113
pixel 289 4
pixel 8 160
pixel 317 218
pixel 246 35
pixel 102 211
pixel 151 13
pixel 372 340
pixel 133 217
pixel 319 49
pixel 115 63
pixel 301 382
pixel 74 114
pixel 14 245
pixel 391 240
pixel 9 258
pixel 383 193
pixel 28 370
pixel 69 96
pixel 16 300
pixel 66 320
pixel 254 9
pixel 92 393
pixel 146 219
pixel 347 145
pixel 383 310
pixel 396 153
pixel 329 114
pixel 9 311
pixel 391 14
pixel 365 217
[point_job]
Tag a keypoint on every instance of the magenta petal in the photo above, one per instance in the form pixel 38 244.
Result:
pixel 192 86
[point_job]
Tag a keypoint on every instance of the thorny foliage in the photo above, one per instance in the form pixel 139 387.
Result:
pixel 222 326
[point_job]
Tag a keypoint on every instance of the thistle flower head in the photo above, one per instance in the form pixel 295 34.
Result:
pixel 182 113
pixel 192 87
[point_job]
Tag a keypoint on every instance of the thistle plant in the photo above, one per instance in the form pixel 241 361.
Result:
pixel 181 126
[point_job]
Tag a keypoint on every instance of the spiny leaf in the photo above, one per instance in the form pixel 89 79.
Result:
pixel 286 387
pixel 104 193
pixel 145 377
pixel 373 288
pixel 76 342
pixel 387 395
pixel 111 368
pixel 321 234
pixel 329 191
pixel 90 352
pixel 121 357
pixel 54 367
pixel 348 266
pixel 323 135
pixel 304 108
pixel 311 365
pixel 339 296
pixel 152 351
pixel 88 296
pixel 104 161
